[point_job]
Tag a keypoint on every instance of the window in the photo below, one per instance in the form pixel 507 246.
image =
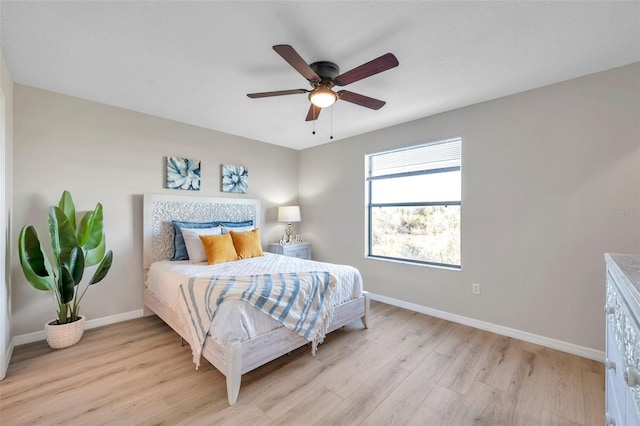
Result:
pixel 413 206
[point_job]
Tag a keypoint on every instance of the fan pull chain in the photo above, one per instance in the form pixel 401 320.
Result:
pixel 331 137
pixel 314 119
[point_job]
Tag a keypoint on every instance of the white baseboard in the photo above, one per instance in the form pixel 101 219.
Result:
pixel 482 325
pixel 98 322
pixel 494 328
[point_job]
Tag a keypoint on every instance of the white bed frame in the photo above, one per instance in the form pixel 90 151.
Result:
pixel 236 357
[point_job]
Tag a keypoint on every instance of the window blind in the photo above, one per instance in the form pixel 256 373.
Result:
pixel 434 155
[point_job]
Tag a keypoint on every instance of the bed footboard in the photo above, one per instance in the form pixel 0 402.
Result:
pixel 237 358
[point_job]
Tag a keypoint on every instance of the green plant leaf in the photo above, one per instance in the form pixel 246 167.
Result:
pixel 34 262
pixel 102 269
pixel 74 312
pixel 91 230
pixel 66 285
pixel 66 205
pixel 84 229
pixel 94 256
pixel 76 264
pixel 63 237
pixel 63 313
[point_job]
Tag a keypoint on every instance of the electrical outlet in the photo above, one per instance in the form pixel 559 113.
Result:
pixel 475 288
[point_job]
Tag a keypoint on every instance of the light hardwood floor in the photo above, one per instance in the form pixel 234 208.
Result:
pixel 408 368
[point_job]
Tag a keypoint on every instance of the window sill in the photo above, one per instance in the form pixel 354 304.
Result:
pixel 406 262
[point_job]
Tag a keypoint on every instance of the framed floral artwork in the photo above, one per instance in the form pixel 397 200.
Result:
pixel 183 173
pixel 235 178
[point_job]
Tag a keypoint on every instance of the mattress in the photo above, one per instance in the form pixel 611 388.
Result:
pixel 236 319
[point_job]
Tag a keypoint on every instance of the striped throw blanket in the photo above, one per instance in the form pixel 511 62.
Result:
pixel 302 302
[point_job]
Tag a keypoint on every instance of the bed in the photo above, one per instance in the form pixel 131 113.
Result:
pixel 233 350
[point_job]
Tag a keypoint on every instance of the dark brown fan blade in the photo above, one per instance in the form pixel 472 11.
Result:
pixel 289 54
pixel 277 93
pixel 362 100
pixel 383 63
pixel 313 113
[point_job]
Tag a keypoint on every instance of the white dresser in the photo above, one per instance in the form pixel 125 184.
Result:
pixel 622 365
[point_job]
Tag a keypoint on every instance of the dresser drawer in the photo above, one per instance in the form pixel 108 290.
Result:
pixel 614 414
pixel 631 412
pixel 615 385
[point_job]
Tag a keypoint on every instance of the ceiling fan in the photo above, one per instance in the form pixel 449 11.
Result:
pixel 323 75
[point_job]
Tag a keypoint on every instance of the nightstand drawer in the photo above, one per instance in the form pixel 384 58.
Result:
pixel 301 250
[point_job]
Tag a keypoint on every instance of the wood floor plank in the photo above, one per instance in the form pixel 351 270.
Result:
pixel 239 415
pixel 402 403
pixel 526 393
pixel 364 399
pixel 455 340
pixel 355 368
pixel 305 398
pixel 418 345
pixel 469 362
pixel 565 397
pixel 438 408
pixel 311 410
pixel 550 419
pixel 289 380
pixel 502 362
pixel 484 405
pixel 408 368
pixel 593 391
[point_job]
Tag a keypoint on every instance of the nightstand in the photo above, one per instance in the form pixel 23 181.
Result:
pixel 300 250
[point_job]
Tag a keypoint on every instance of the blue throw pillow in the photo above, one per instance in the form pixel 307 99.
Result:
pixel 179 247
pixel 236 224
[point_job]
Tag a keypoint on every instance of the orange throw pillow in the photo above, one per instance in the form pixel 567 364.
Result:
pixel 247 244
pixel 219 248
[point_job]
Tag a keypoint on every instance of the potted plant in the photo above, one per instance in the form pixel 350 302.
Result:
pixel 74 249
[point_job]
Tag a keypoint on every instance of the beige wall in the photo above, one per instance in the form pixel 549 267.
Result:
pixel 111 155
pixel 546 175
pixel 6 168
pixel 550 182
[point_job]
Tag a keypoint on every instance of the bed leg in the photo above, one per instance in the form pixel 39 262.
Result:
pixel 234 368
pixel 367 305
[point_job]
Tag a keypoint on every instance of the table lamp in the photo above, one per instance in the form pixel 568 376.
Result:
pixel 288 214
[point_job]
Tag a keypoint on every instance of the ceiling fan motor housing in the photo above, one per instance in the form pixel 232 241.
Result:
pixel 327 71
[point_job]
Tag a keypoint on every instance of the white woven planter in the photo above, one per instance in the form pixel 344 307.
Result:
pixel 61 336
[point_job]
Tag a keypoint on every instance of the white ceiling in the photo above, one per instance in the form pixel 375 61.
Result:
pixel 195 62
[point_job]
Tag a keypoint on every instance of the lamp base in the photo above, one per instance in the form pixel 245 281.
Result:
pixel 288 237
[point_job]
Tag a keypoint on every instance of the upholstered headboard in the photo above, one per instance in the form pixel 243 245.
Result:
pixel 160 210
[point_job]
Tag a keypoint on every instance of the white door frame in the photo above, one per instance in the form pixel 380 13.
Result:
pixel 4 289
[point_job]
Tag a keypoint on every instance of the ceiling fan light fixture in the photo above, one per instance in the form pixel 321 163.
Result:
pixel 323 97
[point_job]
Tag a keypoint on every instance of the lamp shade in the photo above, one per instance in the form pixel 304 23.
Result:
pixel 322 97
pixel 289 214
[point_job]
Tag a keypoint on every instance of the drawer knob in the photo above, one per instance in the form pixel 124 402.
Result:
pixel 609 364
pixel 608 310
pixel 631 377
pixel 609 420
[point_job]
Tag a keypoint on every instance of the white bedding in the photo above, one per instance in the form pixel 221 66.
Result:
pixel 236 319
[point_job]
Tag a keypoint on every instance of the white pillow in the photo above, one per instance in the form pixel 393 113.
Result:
pixel 192 242
pixel 226 229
